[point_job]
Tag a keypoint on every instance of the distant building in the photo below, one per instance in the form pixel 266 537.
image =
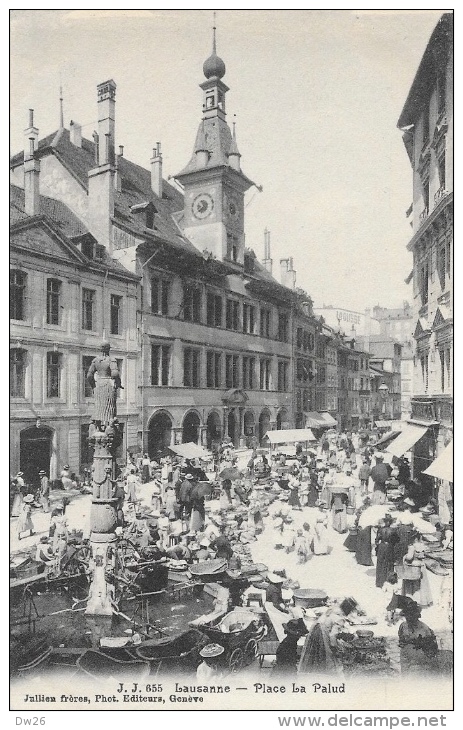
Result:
pixel 385 377
pixel 427 124
pixel 348 321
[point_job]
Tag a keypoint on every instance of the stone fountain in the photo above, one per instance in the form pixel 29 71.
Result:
pixel 105 436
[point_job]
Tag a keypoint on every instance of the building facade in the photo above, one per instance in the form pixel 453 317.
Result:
pixel 66 296
pixel 427 124
pixel 213 328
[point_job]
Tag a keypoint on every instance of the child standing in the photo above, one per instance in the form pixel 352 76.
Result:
pixel 392 590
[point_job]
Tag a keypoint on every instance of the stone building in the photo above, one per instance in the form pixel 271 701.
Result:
pixel 427 124
pixel 66 295
pixel 213 326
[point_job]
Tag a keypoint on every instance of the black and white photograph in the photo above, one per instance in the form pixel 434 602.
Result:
pixel 231 360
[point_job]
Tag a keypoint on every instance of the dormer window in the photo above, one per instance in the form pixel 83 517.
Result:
pixel 148 210
pixel 88 248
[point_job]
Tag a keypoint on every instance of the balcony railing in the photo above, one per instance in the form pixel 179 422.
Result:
pixel 424 214
pixel 439 194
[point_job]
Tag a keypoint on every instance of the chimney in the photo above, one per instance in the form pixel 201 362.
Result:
pixel 288 275
pixel 106 121
pixel 101 179
pixel 267 261
pixel 30 132
pixel 31 169
pixel 76 134
pixel 156 170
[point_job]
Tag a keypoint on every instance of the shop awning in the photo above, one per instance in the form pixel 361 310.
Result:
pixel 406 439
pixel 383 424
pixel 290 436
pixel 387 437
pixel 314 420
pixel 190 450
pixel 328 418
pixel 442 466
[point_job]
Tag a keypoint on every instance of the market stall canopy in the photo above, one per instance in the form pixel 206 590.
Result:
pixel 406 439
pixel 314 420
pixel 190 450
pixel 329 420
pixel 372 515
pixel 290 436
pixel 442 466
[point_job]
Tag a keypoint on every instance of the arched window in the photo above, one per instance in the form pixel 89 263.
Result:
pixel 17 373
pixel 18 281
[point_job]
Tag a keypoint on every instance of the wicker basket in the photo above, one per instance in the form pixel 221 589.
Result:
pixel 408 572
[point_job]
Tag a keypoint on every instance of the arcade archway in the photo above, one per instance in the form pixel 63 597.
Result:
pixel 159 434
pixel 213 429
pixel 36 448
pixel 249 426
pixel 282 419
pixel 232 427
pixel 190 429
pixel 264 424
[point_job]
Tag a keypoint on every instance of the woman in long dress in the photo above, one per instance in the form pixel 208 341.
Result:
pixel 418 589
pixel 385 540
pixel 318 652
pixel 313 490
pixel 24 519
pixel 338 511
pixel 321 545
pixel 363 547
pixel 18 498
pixel 294 500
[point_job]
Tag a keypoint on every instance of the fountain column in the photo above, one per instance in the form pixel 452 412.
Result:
pixel 105 437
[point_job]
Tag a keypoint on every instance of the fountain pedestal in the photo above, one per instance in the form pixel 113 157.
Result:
pixel 103 522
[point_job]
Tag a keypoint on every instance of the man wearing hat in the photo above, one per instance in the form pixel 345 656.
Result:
pixel 209 668
pixel 379 474
pixel 184 495
pixel 44 492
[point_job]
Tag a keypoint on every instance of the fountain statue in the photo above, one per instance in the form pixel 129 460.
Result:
pixel 105 436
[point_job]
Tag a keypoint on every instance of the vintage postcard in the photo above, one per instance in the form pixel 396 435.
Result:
pixel 231 361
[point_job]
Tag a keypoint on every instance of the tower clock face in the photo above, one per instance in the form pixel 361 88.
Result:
pixel 202 206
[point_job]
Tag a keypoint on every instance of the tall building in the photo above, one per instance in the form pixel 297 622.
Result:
pixel 427 124
pixel 213 328
pixel 67 294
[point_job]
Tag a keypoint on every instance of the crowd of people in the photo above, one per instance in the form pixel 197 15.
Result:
pixel 211 510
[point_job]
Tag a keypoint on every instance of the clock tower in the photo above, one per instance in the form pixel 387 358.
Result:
pixel 213 181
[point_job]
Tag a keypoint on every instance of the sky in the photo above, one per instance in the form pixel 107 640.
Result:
pixel 316 93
